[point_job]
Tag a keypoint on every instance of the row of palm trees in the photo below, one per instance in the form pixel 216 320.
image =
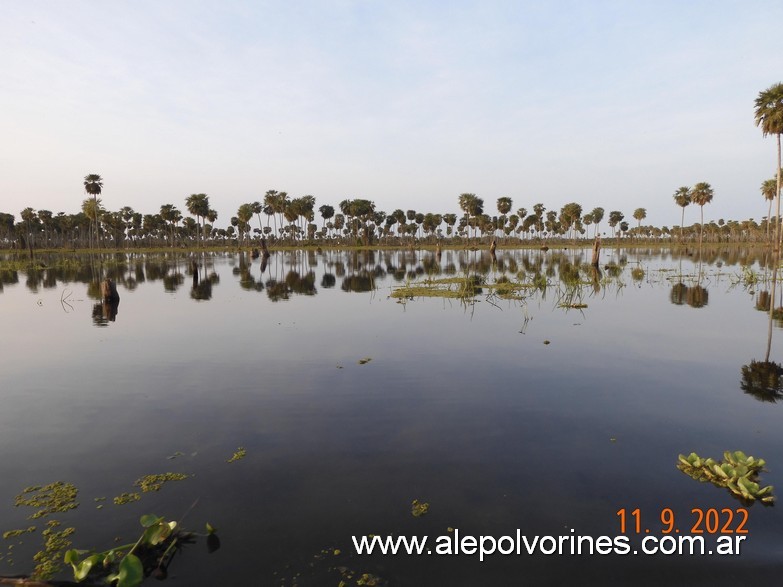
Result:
pixel 360 221
pixel 357 221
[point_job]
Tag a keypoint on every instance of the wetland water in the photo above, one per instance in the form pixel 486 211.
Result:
pixel 501 413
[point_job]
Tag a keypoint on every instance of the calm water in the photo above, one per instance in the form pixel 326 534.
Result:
pixel 462 406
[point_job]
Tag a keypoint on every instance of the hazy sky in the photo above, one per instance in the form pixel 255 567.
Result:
pixel 607 103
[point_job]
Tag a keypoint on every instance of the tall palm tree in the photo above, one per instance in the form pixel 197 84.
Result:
pixel 615 217
pixel 198 206
pixel 92 209
pixel 769 116
pixel 701 194
pixel 327 212
pixel 211 216
pixel 93 185
pixel 682 197
pixel 170 214
pixel 598 215
pixel 768 189
pixel 640 214
pixel 244 214
pixel 504 205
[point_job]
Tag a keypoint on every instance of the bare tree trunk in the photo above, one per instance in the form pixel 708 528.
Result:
pixel 596 250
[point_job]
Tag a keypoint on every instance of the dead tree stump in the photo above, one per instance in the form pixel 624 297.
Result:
pixel 109 291
pixel 596 250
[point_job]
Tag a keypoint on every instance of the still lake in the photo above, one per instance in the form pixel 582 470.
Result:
pixel 502 414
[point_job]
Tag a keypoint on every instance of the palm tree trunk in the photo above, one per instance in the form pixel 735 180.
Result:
pixel 769 218
pixel 778 234
pixel 682 223
pixel 701 232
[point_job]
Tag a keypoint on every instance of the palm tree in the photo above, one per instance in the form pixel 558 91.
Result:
pixel 769 116
pixel 327 212
pixel 29 218
pixel 212 216
pixel 198 206
pixel 640 214
pixel 473 206
pixel 598 215
pixel 768 189
pixel 92 209
pixel 170 214
pixel 257 209
pixel 504 207
pixel 701 194
pixel 682 197
pixel 93 185
pixel 615 217
pixel 244 214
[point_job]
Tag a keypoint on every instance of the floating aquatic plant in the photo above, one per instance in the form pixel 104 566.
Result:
pixel 155 482
pixel 240 453
pixel 129 564
pixel 419 508
pixel 737 472
pixel 54 497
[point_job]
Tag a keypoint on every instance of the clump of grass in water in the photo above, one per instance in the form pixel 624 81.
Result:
pixel 239 454
pixel 419 508
pixel 466 287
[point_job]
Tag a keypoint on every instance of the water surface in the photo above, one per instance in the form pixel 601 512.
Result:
pixel 502 414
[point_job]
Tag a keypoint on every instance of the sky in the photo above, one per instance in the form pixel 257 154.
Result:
pixel 408 104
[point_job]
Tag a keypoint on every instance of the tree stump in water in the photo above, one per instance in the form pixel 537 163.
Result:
pixel 596 250
pixel 109 291
pixel 493 246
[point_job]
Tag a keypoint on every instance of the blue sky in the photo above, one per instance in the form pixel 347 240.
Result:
pixel 607 103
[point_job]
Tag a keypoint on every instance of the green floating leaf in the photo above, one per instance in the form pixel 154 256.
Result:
pixel 131 572
pixel 148 520
pixel 156 534
pixel 72 556
pixel 82 569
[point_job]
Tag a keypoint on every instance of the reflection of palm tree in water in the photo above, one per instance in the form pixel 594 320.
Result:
pixel 202 287
pixel 694 295
pixel 764 379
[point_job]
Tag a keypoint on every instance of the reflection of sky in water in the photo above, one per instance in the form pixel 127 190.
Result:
pixel 494 428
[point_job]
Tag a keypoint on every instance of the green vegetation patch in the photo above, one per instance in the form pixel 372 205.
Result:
pixel 240 453
pixel 737 472
pixel 126 498
pixel 419 508
pixel 19 532
pixel 55 542
pixel 55 497
pixel 155 482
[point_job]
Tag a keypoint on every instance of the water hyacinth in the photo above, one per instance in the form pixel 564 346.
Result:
pixel 737 472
